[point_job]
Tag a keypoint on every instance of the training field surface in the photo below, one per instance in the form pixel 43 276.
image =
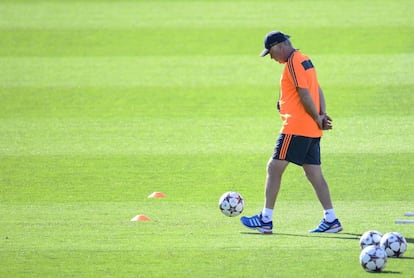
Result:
pixel 105 102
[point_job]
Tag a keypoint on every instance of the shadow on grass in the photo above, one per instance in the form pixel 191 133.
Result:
pixel 386 272
pixel 346 236
pixel 406 258
pixel 342 235
pixel 410 240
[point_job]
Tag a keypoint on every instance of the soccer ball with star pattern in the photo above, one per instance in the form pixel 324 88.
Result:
pixel 394 244
pixel 370 238
pixel 373 258
pixel 231 204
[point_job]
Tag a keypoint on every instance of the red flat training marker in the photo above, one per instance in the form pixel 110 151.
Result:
pixel 140 217
pixel 157 195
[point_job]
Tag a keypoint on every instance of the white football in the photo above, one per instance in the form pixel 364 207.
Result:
pixel 394 244
pixel 370 238
pixel 373 258
pixel 231 204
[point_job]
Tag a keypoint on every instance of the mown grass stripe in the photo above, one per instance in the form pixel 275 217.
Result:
pixel 196 72
pixel 201 14
pixel 203 136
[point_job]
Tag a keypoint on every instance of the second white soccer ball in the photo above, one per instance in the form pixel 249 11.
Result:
pixel 231 204
pixel 394 244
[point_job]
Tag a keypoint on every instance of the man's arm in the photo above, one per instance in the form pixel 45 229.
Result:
pixel 322 102
pixel 310 106
pixel 327 121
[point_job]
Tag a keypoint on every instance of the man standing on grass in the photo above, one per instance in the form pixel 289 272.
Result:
pixel 302 108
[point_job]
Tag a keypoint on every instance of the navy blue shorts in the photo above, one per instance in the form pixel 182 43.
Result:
pixel 298 149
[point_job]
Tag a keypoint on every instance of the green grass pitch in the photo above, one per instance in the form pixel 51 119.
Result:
pixel 104 102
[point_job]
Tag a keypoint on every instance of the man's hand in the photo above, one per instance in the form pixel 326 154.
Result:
pixel 326 122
